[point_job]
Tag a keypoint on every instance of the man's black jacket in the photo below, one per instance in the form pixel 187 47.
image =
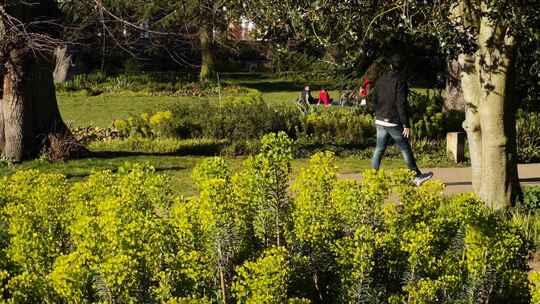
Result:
pixel 390 99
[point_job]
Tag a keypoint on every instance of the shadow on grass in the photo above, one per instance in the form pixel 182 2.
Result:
pixel 124 154
pixel 283 85
pixel 530 180
pixel 306 150
pixel 202 150
pixel 274 86
pixel 79 176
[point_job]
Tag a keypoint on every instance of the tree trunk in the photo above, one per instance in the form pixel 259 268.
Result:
pixel 207 53
pixel 471 89
pixel 335 54
pixel 500 187
pixel 2 133
pixel 13 105
pixel 30 120
pixel 490 119
pixel 63 64
pixel 454 99
pixel 30 112
pixel 42 92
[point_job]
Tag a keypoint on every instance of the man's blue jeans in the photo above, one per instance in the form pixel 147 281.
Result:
pixel 383 136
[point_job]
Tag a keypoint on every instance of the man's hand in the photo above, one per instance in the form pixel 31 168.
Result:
pixel 406 132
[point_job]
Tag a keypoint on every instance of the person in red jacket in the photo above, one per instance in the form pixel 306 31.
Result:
pixel 324 97
pixel 364 90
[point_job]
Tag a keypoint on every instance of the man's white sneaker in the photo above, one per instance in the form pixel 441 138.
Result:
pixel 422 178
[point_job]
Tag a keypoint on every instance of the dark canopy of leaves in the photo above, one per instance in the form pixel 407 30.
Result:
pixel 364 30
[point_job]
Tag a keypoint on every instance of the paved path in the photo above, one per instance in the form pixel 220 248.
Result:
pixel 458 180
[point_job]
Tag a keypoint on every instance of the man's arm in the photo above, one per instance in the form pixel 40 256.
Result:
pixel 402 104
pixel 375 97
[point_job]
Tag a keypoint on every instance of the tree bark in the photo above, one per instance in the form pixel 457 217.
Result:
pixel 63 64
pixel 13 105
pixel 2 133
pixel 46 118
pixel 487 79
pixel 207 15
pixel 472 125
pixel 30 110
pixel 335 54
pixel 30 115
pixel 500 187
pixel 453 99
pixel 207 53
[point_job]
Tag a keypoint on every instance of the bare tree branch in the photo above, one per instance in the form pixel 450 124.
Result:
pixel 17 34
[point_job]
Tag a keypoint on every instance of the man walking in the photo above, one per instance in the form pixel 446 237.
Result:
pixel 392 119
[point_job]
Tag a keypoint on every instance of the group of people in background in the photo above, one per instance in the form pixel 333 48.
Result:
pixel 324 96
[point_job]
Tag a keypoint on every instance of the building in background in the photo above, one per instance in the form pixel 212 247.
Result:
pixel 242 30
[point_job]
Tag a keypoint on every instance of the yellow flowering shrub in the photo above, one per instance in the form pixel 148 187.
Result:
pixel 265 280
pixel 123 237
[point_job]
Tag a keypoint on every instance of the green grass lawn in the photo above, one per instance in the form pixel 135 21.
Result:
pixel 177 168
pixel 100 111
